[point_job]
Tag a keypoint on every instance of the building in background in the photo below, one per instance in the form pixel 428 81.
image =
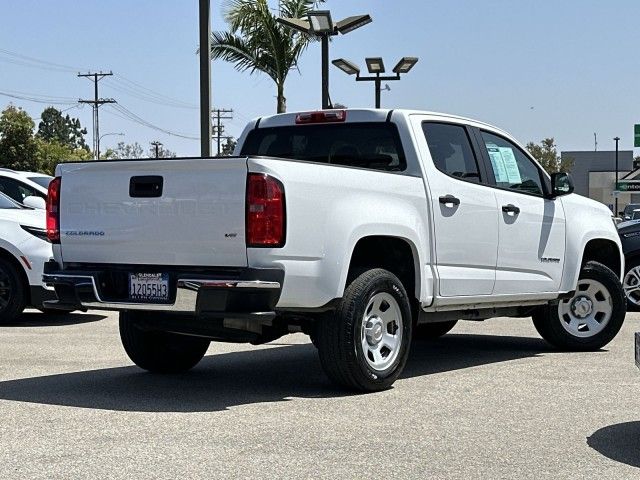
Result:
pixel 594 175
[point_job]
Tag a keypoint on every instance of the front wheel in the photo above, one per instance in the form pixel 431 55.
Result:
pixel 365 344
pixel 631 285
pixel 591 318
pixel 160 352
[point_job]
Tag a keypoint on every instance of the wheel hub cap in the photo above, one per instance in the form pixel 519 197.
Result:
pixel 381 327
pixel 373 331
pixel 589 311
pixel 582 307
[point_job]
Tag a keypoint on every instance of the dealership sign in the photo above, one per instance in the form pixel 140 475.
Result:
pixel 636 132
pixel 628 186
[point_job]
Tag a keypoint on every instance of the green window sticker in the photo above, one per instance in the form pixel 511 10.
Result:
pixel 510 165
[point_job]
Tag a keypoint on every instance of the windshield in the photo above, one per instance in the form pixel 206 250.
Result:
pixel 42 181
pixel 374 146
pixel 6 203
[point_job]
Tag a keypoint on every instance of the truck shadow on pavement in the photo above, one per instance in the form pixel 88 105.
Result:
pixel 255 376
pixel 38 319
pixel 620 442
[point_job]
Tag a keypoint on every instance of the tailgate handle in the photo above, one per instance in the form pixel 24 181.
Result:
pixel 148 186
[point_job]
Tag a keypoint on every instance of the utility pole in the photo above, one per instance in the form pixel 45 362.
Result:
pixel 221 114
pixel 205 78
pixel 157 146
pixel 595 139
pixel 96 102
pixel 617 139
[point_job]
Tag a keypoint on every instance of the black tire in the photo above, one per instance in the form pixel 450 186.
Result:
pixel 13 288
pixel 549 324
pixel 632 307
pixel 431 331
pixel 160 352
pixel 339 336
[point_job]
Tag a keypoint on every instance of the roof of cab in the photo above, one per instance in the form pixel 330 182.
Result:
pixel 370 115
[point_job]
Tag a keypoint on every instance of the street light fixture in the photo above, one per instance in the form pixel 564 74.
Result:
pixel 375 66
pixel 120 134
pixel 320 24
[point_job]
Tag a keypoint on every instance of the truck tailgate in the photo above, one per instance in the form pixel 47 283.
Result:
pixel 187 212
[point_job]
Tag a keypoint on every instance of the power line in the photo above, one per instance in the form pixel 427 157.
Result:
pixel 122 112
pixel 38 98
pixel 96 103
pixel 136 87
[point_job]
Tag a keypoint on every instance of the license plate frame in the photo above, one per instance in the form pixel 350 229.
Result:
pixel 148 287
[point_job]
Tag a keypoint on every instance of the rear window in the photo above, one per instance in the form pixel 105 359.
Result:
pixel 365 145
pixel 42 181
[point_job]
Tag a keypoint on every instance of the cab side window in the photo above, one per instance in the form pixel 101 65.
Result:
pixel 451 150
pixel 512 169
pixel 17 190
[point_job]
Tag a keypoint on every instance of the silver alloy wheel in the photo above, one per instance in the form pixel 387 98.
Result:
pixel 381 331
pixel 588 311
pixel 631 285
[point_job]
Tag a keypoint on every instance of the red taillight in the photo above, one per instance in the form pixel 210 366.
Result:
pixel 326 116
pixel 265 211
pixel 53 211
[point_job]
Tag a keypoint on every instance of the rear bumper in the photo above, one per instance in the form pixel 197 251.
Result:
pixel 244 294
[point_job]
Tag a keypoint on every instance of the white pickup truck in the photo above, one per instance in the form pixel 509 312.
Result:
pixel 361 228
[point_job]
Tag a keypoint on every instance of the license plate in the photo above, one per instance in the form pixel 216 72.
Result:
pixel 149 287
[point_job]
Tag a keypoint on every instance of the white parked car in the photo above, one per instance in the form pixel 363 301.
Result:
pixel 26 188
pixel 358 227
pixel 24 249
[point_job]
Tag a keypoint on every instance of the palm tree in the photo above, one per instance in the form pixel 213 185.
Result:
pixel 257 42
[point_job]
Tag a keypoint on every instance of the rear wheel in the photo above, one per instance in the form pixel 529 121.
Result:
pixel 365 344
pixel 430 331
pixel 12 292
pixel 160 352
pixel 591 318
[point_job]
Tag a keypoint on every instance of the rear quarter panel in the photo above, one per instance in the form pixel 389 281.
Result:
pixel 329 209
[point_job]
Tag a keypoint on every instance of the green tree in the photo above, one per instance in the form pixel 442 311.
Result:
pixel 257 42
pixel 50 154
pixel 18 147
pixel 125 150
pixel 228 147
pixel 546 153
pixel 67 131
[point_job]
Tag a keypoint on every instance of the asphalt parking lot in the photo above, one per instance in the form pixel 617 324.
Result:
pixel 490 400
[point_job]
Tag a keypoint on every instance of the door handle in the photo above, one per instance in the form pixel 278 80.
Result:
pixel 449 200
pixel 146 186
pixel 510 209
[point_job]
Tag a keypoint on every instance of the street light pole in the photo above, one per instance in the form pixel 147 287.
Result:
pixel 319 24
pixel 120 134
pixel 617 139
pixel 205 78
pixel 326 103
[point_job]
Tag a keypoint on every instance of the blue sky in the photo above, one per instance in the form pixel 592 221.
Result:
pixel 535 68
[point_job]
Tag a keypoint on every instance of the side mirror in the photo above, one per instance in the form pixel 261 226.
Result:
pixel 561 184
pixel 35 202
